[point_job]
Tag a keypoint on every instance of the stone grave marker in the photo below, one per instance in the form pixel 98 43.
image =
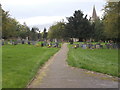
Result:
pixel 84 46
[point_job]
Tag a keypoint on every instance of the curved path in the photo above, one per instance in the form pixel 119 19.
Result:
pixel 57 74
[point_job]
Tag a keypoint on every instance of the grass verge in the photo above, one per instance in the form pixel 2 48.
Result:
pixel 21 62
pixel 99 60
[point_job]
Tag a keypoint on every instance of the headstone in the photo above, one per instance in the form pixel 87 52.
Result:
pixel 49 45
pixel 108 46
pixel 42 44
pixel 101 46
pixel 89 46
pixel 6 42
pixel 2 41
pixel 111 45
pixel 34 42
pixel 23 42
pixel 115 46
pixel 97 46
pixel 71 41
pixel 84 46
pixel 16 42
pixel 11 42
pixel 19 40
pixel 28 42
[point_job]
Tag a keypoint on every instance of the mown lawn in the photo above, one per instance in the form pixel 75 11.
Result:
pixel 99 60
pixel 21 62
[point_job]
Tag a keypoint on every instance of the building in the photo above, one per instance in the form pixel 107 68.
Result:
pixel 94 15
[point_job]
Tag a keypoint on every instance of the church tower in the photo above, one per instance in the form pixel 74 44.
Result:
pixel 94 15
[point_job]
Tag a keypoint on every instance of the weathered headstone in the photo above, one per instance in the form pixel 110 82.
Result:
pixel 107 46
pixel 23 41
pixel 15 42
pixel 84 46
pixel 42 44
pixel 2 41
pixel 97 46
pixel 29 43
pixel 11 42
pixel 101 46
pixel 34 42
pixel 6 42
pixel 19 40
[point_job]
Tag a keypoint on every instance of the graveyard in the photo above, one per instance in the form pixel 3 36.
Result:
pixel 103 60
pixel 21 62
pixel 43 47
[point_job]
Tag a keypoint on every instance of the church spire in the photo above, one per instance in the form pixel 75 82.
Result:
pixel 94 15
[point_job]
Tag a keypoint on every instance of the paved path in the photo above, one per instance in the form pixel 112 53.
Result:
pixel 57 74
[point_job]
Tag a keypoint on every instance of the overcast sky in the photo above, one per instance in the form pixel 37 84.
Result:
pixel 44 13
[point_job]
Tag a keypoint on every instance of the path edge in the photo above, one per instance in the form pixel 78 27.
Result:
pixel 42 68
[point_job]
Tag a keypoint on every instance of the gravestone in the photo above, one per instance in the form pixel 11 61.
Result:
pixel 115 46
pixel 19 40
pixel 97 46
pixel 11 42
pixel 0 42
pixel 101 46
pixel 3 42
pixel 107 46
pixel 49 45
pixel 42 44
pixel 6 42
pixel 26 40
pixel 84 46
pixel 29 42
pixel 23 41
pixel 71 41
pixel 34 42
pixel 15 42
pixel 80 45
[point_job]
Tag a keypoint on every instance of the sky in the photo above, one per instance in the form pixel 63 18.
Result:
pixel 44 13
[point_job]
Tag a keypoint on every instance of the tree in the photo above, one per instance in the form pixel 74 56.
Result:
pixel 57 31
pixel 78 26
pixel 112 19
pixel 44 34
pixel 34 33
pixel 98 30
pixel 11 28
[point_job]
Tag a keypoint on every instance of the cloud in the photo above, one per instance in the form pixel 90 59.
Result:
pixel 44 12
pixel 39 20
pixel 31 2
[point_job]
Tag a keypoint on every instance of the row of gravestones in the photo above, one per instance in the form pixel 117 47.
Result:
pixel 16 42
pixel 50 44
pixel 98 46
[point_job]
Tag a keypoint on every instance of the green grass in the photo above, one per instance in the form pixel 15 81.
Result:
pixel 21 62
pixel 99 60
